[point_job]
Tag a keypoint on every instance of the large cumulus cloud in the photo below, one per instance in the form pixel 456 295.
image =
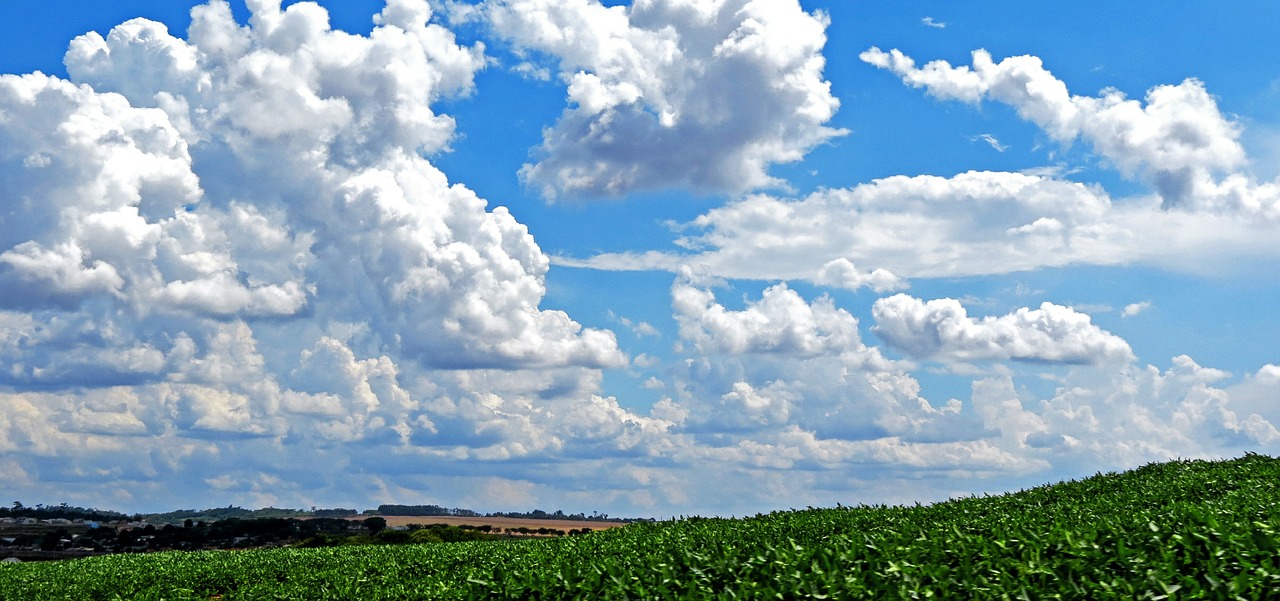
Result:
pixel 222 249
pixel 274 170
pixel 674 94
pixel 942 329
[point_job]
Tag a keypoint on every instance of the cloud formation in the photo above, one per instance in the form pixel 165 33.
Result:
pixel 667 94
pixel 1114 417
pixel 233 274
pixel 786 383
pixel 923 226
pixel 942 330
pixel 780 322
pixel 1133 309
pixel 236 237
pixel 1206 210
pixel 1177 139
pixel 353 222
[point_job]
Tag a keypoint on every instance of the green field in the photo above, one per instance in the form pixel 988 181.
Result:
pixel 1185 529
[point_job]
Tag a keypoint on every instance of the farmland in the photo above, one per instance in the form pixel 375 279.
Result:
pixel 1182 529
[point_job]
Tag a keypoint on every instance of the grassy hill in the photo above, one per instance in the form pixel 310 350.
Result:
pixel 1185 529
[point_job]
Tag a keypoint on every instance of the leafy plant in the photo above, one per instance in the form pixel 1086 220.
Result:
pixel 1183 529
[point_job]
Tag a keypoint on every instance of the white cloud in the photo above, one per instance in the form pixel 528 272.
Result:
pixel 973 223
pixel 780 322
pixel 783 362
pixel 671 94
pixel 640 328
pixel 841 273
pixel 1205 216
pixel 1268 374
pixel 930 22
pixel 991 141
pixel 1100 418
pixel 221 250
pixel 320 130
pixel 1133 309
pixel 941 329
pixel 1177 139
pixel 924 226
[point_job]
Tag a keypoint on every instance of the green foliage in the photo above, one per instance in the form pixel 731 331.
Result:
pixel 1185 529
pixel 64 511
pixel 375 525
pixel 448 534
pixel 222 513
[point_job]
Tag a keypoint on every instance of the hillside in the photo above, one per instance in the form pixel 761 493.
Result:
pixel 1169 530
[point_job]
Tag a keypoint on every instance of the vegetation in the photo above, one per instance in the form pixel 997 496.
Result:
pixel 1185 529
pixel 226 513
pixel 421 510
pixel 63 511
pixel 536 514
pixel 229 533
pixel 539 514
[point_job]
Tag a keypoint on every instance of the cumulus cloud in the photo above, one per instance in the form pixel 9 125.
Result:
pixel 1268 374
pixel 309 140
pixel 1205 211
pixel 231 268
pixel 780 322
pixel 1176 138
pixel 229 247
pixel 671 94
pixel 924 226
pixel 1119 417
pixel 783 362
pixel 941 329
pixel 841 273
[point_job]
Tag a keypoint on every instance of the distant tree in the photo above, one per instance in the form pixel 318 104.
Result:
pixel 412 510
pixel 375 524
pixel 334 513
pixel 53 540
pixel 49 542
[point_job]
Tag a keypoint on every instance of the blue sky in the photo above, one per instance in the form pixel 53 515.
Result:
pixel 684 257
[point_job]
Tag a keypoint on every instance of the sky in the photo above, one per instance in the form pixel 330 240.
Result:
pixel 661 258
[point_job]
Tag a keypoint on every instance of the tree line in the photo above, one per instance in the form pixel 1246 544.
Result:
pixel 65 511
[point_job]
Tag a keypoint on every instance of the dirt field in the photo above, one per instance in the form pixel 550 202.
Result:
pixel 497 523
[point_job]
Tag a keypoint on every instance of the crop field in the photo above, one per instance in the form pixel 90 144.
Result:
pixel 1183 529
